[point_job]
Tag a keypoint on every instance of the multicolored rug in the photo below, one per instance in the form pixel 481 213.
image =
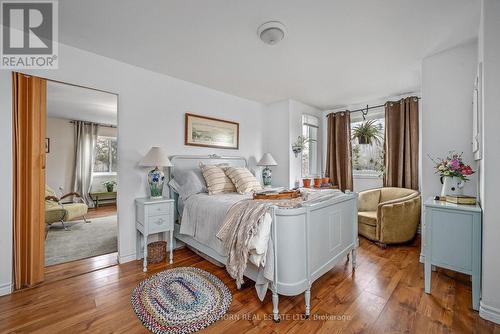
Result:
pixel 180 300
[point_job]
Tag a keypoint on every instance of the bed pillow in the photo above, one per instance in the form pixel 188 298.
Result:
pixel 243 179
pixel 187 183
pixel 216 179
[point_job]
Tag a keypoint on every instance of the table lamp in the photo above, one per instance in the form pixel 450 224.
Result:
pixel 156 157
pixel 267 160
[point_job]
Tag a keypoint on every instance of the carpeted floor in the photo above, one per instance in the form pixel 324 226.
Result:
pixel 82 240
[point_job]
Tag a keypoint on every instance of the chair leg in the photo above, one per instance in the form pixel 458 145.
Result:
pixel 86 221
pixel 64 225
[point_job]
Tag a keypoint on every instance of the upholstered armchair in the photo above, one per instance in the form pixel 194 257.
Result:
pixel 55 211
pixel 388 215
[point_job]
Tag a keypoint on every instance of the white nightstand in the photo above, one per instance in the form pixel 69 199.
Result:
pixel 153 216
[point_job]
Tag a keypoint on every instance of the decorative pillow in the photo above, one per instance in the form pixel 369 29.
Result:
pixel 243 179
pixel 187 183
pixel 216 179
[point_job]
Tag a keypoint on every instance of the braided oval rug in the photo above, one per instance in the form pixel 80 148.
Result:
pixel 180 300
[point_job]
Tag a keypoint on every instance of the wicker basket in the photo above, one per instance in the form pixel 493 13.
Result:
pixel 157 251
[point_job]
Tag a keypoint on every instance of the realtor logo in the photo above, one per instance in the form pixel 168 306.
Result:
pixel 29 35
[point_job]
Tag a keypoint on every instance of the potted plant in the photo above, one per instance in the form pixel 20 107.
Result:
pixel 300 144
pixel 367 133
pixel 453 172
pixel 109 184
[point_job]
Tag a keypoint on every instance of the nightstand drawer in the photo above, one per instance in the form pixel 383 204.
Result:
pixel 158 209
pixel 159 223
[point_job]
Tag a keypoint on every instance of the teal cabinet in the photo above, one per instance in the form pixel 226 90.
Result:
pixel 452 240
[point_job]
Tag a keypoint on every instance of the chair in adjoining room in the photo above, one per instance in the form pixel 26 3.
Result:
pixel 56 211
pixel 389 215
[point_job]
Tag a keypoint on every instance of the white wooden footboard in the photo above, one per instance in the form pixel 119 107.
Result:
pixel 309 241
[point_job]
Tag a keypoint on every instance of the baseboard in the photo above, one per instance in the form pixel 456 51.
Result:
pixel 126 258
pixel 489 313
pixel 5 289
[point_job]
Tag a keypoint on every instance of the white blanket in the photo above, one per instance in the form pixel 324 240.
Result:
pixel 204 214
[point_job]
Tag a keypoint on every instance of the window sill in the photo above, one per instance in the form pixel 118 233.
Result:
pixel 365 175
pixel 104 174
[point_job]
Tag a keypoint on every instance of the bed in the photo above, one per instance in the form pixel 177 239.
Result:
pixel 307 241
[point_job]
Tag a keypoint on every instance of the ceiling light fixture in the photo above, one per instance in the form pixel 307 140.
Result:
pixel 271 32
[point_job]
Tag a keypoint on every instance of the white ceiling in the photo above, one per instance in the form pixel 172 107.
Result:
pixel 335 52
pixel 83 104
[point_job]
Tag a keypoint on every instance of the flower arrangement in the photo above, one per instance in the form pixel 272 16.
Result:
pixel 453 166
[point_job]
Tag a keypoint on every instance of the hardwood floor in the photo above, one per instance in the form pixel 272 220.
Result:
pixel 102 211
pixel 383 295
pixel 79 267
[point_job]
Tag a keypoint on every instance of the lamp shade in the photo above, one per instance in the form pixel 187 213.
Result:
pixel 156 157
pixel 267 160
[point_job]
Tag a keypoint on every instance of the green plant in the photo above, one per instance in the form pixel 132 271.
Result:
pixel 368 132
pixel 109 184
pixel 356 156
pixel 300 144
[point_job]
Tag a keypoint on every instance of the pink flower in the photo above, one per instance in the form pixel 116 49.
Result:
pixel 454 164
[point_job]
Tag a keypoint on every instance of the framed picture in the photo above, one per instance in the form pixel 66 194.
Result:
pixel 211 132
pixel 47 145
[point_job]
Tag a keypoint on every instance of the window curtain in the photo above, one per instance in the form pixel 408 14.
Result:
pixel 85 141
pixel 28 108
pixel 401 143
pixel 338 154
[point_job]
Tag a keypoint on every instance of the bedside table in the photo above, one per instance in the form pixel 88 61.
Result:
pixel 153 216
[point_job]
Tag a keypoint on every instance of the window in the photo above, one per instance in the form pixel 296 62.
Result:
pixel 368 144
pixel 105 155
pixel 310 165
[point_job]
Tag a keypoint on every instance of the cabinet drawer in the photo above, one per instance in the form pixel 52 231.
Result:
pixel 159 223
pixel 158 209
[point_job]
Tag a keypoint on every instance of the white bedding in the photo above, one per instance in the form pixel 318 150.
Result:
pixel 204 214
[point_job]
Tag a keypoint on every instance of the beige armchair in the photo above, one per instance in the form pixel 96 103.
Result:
pixel 388 215
pixel 55 211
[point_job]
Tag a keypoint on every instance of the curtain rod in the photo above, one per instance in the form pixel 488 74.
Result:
pixel 367 107
pixel 100 124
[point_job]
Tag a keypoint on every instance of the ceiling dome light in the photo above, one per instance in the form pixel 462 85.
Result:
pixel 271 32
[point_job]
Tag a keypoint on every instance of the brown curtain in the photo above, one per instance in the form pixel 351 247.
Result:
pixel 338 154
pixel 28 102
pixel 401 143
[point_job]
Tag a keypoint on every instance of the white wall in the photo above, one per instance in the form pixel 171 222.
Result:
pixel 362 182
pixel 276 139
pixel 61 158
pixel 446 120
pixel 283 124
pixel 151 112
pixel 489 54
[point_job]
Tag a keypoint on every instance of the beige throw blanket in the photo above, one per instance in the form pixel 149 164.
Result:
pixel 240 225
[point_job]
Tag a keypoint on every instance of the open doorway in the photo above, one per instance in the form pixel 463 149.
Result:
pixel 81 174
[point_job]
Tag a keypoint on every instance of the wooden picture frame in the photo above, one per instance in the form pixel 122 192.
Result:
pixel 206 131
pixel 47 145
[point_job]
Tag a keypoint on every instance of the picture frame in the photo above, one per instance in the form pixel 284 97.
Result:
pixel 47 145
pixel 206 131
